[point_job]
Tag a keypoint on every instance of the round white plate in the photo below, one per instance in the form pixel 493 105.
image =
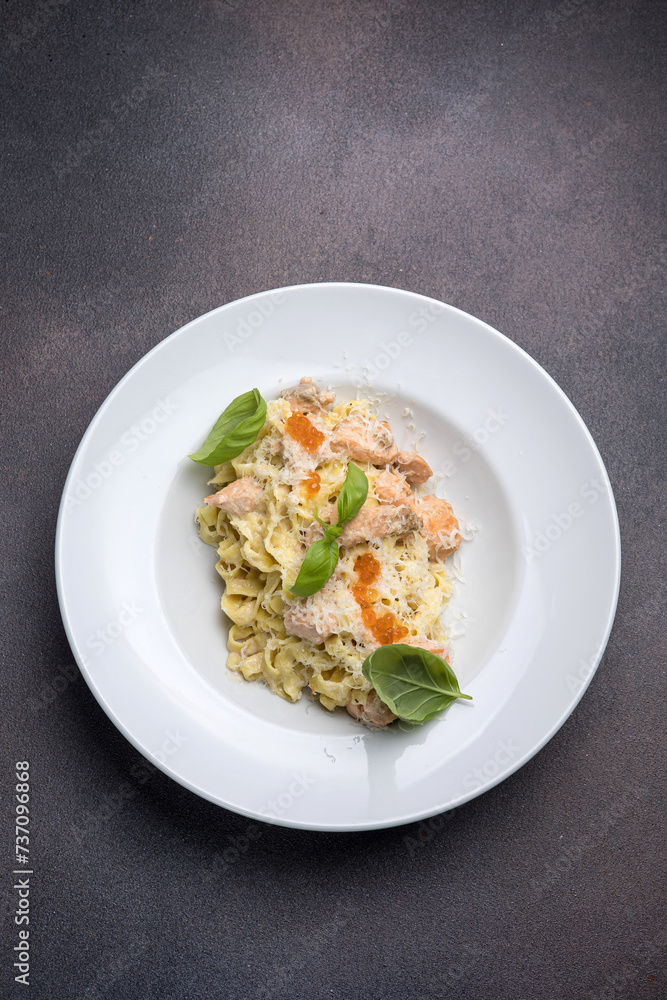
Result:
pixel 139 594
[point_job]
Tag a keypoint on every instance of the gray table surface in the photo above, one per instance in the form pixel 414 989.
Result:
pixel 161 159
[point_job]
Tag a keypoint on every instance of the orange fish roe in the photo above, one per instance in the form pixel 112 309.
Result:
pixel 301 429
pixel 367 568
pixel 386 627
pixel 311 486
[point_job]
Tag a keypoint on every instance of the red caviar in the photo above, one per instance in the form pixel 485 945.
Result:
pixel 311 486
pixel 367 568
pixel 301 429
pixel 386 627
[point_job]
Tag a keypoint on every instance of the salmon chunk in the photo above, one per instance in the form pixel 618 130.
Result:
pixel 239 498
pixel 371 711
pixel 373 523
pixel 441 529
pixel 364 440
pixel 392 488
pixel 439 524
pixel 370 524
pixel 415 468
pixel 306 397
pixel 312 620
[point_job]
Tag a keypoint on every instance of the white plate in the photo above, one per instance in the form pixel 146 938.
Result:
pixel 139 594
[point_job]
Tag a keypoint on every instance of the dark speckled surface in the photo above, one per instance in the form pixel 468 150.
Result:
pixel 163 158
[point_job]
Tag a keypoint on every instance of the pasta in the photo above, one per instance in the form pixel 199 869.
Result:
pixel 390 583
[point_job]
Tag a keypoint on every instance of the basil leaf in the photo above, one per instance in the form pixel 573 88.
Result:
pixel 353 494
pixel 413 683
pixel 316 568
pixel 235 428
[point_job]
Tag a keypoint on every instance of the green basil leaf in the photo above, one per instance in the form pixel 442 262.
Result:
pixel 413 683
pixel 316 568
pixel 353 494
pixel 235 428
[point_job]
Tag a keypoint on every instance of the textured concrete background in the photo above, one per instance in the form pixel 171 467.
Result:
pixel 163 158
